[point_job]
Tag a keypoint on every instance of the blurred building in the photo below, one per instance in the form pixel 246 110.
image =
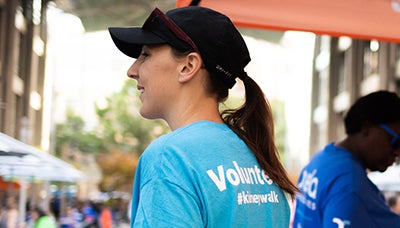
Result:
pixel 345 69
pixel 23 35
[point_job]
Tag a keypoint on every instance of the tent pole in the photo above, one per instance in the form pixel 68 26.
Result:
pixel 22 202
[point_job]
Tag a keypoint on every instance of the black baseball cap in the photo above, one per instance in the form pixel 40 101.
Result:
pixel 191 28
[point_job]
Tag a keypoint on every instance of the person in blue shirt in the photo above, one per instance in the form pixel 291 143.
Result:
pixel 215 169
pixel 335 189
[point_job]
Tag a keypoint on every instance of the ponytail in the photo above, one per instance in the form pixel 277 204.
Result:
pixel 253 122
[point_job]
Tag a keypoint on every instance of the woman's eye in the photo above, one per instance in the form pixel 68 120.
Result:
pixel 143 55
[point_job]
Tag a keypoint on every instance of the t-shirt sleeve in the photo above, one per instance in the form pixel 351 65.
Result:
pixel 164 193
pixel 164 203
pixel 346 210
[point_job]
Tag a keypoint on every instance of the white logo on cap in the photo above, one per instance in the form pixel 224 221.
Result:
pixel 220 68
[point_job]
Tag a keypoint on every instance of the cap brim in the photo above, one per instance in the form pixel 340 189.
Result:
pixel 129 40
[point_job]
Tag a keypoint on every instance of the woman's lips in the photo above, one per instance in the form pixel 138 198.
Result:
pixel 140 88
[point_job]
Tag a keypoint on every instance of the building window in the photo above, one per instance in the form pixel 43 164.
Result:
pixel 371 58
pixel 397 68
pixel 2 34
pixel 342 85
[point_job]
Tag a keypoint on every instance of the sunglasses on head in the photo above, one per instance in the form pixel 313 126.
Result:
pixel 395 141
pixel 175 29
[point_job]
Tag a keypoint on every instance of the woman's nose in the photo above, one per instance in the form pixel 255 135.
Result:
pixel 132 71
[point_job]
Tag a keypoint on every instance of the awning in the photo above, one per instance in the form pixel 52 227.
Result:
pixel 372 19
pixel 26 163
pixel 19 160
pixel 33 168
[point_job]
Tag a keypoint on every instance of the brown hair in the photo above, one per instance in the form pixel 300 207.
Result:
pixel 253 122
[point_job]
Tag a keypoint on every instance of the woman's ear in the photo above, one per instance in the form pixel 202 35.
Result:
pixel 191 64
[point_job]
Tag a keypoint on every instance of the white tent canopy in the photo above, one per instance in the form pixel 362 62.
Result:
pixel 19 160
pixel 26 163
pixel 31 167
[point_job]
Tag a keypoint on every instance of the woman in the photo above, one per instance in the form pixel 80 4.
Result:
pixel 214 169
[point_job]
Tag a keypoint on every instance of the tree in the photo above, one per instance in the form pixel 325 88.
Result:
pixel 117 141
pixel 71 137
pixel 120 125
pixel 125 134
pixel 278 111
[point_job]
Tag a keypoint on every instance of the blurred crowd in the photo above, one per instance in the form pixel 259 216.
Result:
pixel 80 214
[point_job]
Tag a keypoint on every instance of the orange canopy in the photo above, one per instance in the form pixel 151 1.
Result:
pixel 362 19
pixel 5 185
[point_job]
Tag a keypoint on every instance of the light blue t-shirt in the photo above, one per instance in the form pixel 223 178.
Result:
pixel 204 175
pixel 338 193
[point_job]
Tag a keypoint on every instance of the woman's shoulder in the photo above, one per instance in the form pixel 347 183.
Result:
pixel 194 133
pixel 192 140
